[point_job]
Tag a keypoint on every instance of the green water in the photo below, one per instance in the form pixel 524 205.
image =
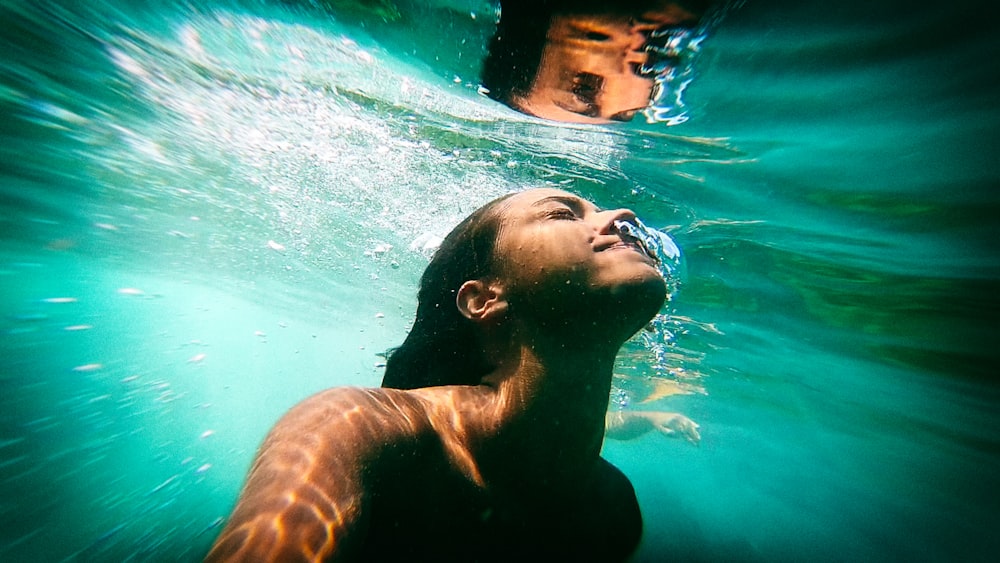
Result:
pixel 208 211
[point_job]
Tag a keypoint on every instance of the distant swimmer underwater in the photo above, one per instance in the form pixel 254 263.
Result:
pixel 484 441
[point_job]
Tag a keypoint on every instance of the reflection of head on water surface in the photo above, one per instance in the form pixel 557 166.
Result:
pixel 587 61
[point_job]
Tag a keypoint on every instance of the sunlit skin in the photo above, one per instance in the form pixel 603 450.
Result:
pixel 587 72
pixel 506 470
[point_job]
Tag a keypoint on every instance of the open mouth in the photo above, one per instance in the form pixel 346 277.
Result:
pixel 634 246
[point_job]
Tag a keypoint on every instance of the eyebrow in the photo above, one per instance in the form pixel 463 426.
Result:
pixel 575 203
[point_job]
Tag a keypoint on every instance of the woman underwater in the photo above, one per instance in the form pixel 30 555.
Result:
pixel 483 443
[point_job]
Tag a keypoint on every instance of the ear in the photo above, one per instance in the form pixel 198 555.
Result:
pixel 479 301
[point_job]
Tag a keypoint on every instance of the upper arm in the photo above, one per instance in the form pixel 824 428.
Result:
pixel 305 496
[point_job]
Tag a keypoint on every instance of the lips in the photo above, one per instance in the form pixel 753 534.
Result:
pixel 635 245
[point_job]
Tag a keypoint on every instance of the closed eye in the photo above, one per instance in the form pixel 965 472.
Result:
pixel 561 213
pixel 562 207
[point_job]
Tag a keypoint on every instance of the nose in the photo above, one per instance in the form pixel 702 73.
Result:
pixel 607 219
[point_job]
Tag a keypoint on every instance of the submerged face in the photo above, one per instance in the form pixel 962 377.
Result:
pixel 589 71
pixel 560 250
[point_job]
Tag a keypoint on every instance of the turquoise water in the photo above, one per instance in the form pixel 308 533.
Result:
pixel 209 212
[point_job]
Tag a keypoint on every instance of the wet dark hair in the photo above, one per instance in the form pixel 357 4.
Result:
pixel 516 49
pixel 443 347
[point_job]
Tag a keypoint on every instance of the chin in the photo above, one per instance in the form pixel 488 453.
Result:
pixel 638 300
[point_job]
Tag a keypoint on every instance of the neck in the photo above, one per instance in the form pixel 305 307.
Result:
pixel 550 398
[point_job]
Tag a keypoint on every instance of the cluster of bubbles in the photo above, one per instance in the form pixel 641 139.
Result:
pixel 659 336
pixel 657 244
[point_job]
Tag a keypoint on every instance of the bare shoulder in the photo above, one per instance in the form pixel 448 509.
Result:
pixel 353 416
pixel 364 424
pixel 308 493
